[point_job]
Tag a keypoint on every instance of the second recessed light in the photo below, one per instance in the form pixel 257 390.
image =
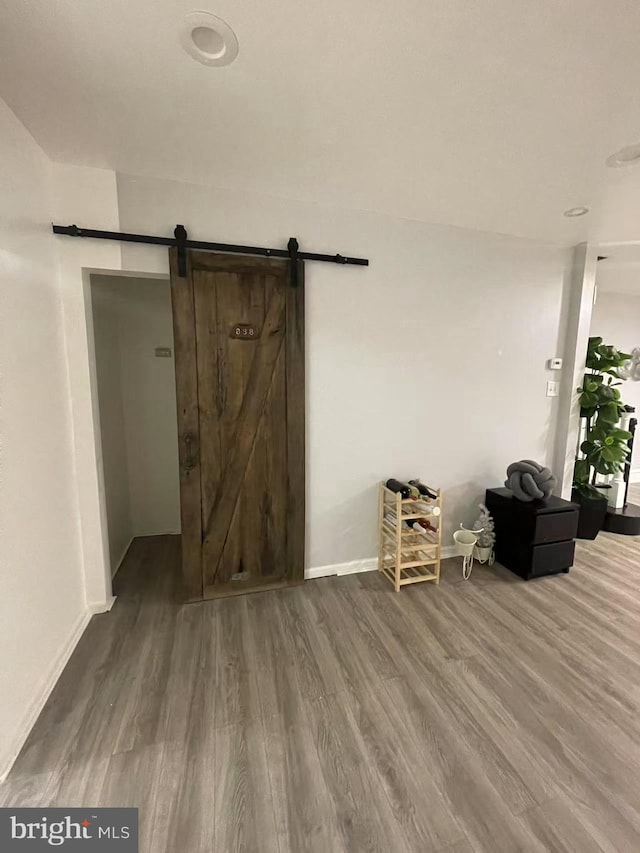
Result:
pixel 626 156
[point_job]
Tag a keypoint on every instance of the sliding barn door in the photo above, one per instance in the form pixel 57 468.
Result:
pixel 239 350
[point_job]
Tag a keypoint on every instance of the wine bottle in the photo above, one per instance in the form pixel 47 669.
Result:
pixel 432 510
pixel 414 525
pixel 397 486
pixel 427 525
pixel 423 490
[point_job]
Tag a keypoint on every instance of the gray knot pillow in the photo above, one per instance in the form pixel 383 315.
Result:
pixel 529 481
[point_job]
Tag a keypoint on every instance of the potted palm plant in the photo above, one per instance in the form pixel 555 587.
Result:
pixel 604 447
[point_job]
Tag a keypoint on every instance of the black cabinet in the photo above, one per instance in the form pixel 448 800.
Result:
pixel 533 539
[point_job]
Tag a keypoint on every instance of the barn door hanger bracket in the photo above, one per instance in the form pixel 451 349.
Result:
pixel 293 247
pixel 180 233
pixel 182 243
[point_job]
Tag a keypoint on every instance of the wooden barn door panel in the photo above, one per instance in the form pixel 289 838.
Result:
pixel 295 382
pixel 250 403
pixel 186 369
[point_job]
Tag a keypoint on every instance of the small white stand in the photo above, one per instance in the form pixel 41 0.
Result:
pixel 465 541
pixel 484 555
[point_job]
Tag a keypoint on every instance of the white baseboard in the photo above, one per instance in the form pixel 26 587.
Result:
pixel 157 533
pixel 351 568
pixel 116 566
pixel 101 606
pixel 47 685
pixel 368 565
pixel 356 566
pixel 634 476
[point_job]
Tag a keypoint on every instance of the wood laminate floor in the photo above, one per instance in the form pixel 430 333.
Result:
pixel 490 715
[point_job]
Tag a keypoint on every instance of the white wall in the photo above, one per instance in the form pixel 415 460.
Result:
pixel 429 362
pixel 42 601
pixel 616 319
pixel 82 195
pixel 142 419
pixel 112 425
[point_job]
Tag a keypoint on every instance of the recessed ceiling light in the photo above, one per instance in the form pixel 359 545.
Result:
pixel 576 211
pixel 208 39
pixel 626 156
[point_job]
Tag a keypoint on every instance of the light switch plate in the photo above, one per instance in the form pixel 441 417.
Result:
pixel 163 352
pixel 555 364
pixel 553 388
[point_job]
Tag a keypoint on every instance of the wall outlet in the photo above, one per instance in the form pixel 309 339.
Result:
pixel 554 364
pixel 163 352
pixel 553 389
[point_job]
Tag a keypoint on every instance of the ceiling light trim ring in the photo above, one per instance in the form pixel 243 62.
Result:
pixel 205 20
pixel 576 211
pixel 627 156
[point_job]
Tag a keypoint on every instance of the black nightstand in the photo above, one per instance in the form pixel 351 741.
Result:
pixel 533 539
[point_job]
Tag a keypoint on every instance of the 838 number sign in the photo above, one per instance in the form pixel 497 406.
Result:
pixel 244 332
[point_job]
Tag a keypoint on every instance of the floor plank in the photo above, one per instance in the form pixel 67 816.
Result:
pixel 244 814
pixel 488 715
pixel 308 819
pixel 365 817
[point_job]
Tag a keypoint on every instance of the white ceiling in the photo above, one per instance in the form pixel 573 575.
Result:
pixel 495 115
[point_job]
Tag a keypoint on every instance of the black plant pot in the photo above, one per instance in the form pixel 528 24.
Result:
pixel 593 512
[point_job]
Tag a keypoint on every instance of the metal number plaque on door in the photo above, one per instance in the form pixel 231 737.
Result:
pixel 244 332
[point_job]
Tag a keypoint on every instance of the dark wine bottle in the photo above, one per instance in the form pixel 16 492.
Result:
pixel 427 525
pixel 414 525
pixel 424 491
pixel 397 486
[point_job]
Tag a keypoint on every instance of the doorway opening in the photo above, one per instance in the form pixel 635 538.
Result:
pixel 136 407
pixel 198 419
pixel 604 301
pixel 616 319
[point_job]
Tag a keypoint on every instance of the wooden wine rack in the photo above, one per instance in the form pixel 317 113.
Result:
pixel 406 557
